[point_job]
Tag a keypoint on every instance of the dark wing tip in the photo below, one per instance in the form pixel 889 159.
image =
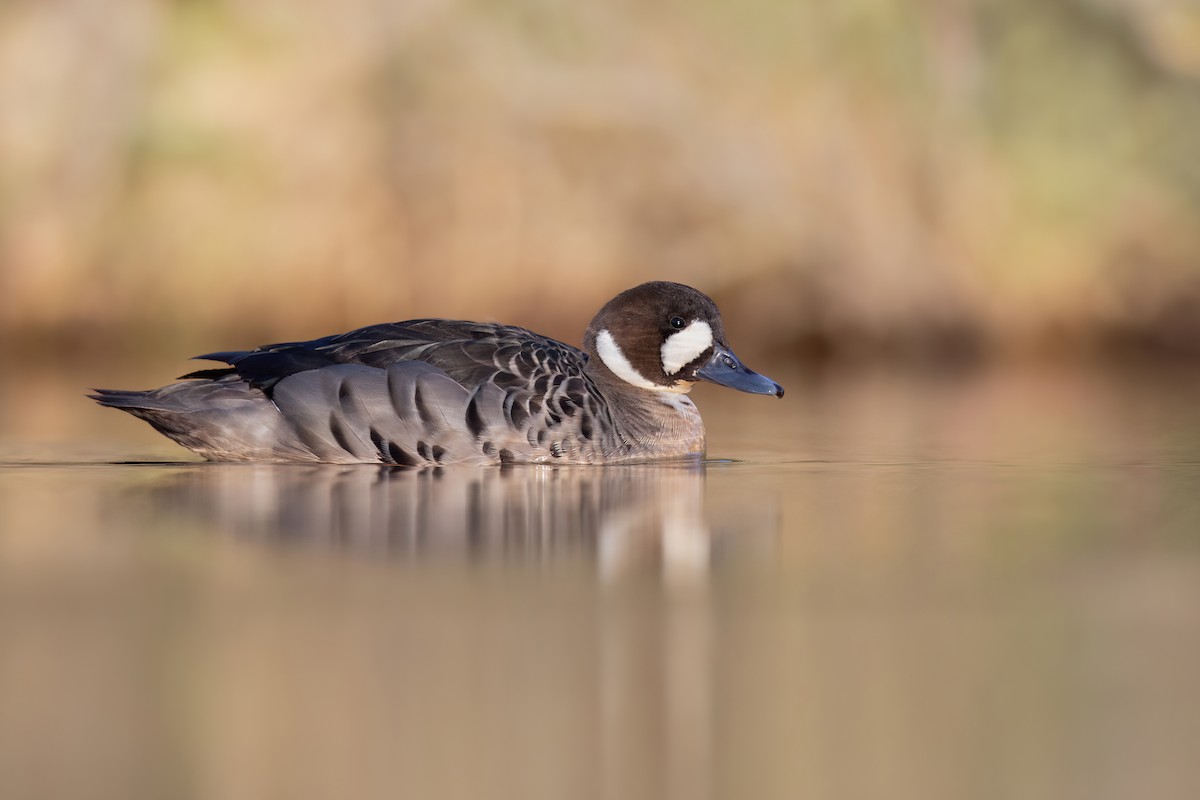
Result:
pixel 210 374
pixel 224 356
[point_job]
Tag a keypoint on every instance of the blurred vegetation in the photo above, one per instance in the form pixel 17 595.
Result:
pixel 860 176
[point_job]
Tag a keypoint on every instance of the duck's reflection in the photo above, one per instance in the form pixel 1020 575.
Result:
pixel 615 689
pixel 626 517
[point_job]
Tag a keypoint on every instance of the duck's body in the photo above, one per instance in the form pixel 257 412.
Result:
pixel 430 392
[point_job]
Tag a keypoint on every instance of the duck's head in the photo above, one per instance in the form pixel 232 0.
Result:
pixel 665 337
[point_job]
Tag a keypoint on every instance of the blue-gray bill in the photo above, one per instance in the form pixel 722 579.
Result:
pixel 725 369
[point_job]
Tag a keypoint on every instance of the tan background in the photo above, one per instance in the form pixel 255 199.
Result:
pixel 859 176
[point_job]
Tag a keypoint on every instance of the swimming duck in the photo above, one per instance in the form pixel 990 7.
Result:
pixel 428 392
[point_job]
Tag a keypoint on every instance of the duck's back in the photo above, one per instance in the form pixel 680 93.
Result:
pixel 469 352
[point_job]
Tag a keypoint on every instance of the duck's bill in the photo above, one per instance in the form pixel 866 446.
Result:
pixel 725 369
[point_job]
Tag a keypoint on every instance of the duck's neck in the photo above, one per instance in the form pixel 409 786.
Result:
pixel 649 423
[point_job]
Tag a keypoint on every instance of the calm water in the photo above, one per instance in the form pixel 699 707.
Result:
pixel 883 586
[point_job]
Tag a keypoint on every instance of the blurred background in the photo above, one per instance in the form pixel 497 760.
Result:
pixel 858 178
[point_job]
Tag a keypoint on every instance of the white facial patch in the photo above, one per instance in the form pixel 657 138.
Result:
pixel 615 360
pixel 684 347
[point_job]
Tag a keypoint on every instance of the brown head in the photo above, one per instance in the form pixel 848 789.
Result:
pixel 664 337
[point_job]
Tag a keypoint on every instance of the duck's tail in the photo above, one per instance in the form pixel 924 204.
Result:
pixel 221 420
pixel 130 401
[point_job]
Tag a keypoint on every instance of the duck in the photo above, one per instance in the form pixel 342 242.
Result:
pixel 434 392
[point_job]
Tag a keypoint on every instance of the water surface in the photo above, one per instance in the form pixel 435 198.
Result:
pixel 885 585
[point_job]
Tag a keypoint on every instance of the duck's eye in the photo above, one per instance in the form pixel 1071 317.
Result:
pixel 678 323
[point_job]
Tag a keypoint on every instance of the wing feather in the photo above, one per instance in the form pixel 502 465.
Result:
pixel 469 352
